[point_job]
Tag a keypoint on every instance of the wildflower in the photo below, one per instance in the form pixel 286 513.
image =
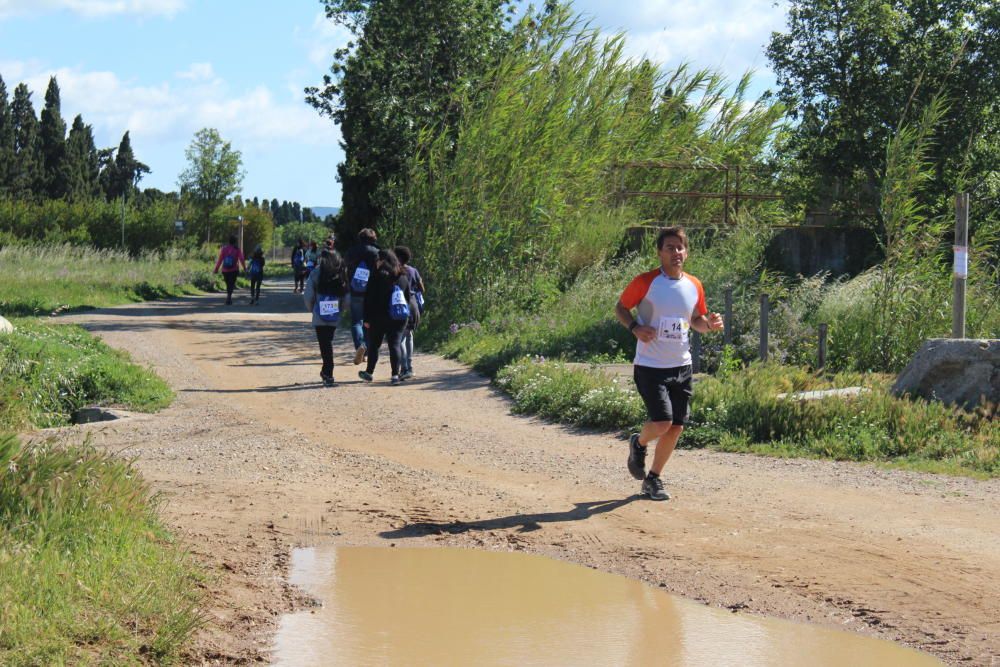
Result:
pixel 453 328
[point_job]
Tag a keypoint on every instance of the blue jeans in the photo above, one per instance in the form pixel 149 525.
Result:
pixel 357 320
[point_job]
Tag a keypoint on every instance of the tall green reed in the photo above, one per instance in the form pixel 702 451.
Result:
pixel 522 195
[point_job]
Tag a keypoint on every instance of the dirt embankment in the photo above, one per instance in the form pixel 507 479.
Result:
pixel 255 457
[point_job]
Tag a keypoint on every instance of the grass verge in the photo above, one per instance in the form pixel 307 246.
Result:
pixel 49 371
pixel 39 280
pixel 88 575
pixel 740 411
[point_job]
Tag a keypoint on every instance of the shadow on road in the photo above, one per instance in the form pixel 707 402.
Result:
pixel 525 522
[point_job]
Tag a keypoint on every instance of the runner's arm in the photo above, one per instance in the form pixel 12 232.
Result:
pixel 706 323
pixel 642 332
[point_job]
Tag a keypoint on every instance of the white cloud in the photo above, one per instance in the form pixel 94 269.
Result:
pixel 321 39
pixel 170 111
pixel 198 72
pixel 726 35
pixel 92 8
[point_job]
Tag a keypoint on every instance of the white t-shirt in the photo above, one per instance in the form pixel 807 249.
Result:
pixel 667 305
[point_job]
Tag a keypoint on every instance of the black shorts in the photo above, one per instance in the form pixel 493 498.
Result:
pixel 666 392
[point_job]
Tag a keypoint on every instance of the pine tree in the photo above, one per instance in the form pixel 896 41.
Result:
pixel 6 141
pixel 52 133
pixel 27 175
pixel 83 166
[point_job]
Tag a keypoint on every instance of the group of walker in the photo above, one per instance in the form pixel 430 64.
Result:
pixel 385 294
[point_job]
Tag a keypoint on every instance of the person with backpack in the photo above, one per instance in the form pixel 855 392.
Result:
pixel 361 259
pixel 230 260
pixel 256 274
pixel 416 310
pixel 387 310
pixel 299 272
pixel 324 296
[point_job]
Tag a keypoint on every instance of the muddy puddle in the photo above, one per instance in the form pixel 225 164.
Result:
pixel 393 606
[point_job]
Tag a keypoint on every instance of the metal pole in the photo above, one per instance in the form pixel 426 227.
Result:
pixel 727 331
pixel 822 346
pixel 123 221
pixel 240 218
pixel 961 264
pixel 763 326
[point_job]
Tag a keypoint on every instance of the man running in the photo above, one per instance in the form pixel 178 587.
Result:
pixel 668 303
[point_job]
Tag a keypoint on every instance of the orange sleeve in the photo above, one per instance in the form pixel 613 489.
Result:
pixel 637 289
pixel 700 308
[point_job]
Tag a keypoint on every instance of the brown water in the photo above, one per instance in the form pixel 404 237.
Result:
pixel 384 606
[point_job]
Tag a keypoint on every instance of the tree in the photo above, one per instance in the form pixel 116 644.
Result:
pixel 82 164
pixel 399 77
pixel 52 133
pixel 27 177
pixel 120 177
pixel 6 141
pixel 851 71
pixel 214 173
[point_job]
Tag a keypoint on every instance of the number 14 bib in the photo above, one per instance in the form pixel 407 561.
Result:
pixel 673 330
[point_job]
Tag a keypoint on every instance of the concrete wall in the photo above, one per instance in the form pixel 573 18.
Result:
pixel 811 250
pixel 807 251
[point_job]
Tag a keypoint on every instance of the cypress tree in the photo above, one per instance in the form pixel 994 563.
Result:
pixel 52 132
pixel 27 181
pixel 119 178
pixel 83 166
pixel 6 141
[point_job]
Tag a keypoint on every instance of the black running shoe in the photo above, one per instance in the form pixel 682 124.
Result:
pixel 636 457
pixel 327 380
pixel 652 486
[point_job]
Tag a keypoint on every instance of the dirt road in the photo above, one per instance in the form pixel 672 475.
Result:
pixel 256 457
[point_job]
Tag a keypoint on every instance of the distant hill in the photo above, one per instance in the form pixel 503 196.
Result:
pixel 323 211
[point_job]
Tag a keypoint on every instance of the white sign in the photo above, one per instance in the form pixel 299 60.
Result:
pixel 961 261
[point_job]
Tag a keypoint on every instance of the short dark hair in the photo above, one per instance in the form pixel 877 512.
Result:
pixel 403 253
pixel 666 232
pixel 367 235
pixel 232 240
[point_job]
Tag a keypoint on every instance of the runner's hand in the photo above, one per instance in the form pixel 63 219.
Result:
pixel 644 333
pixel 715 322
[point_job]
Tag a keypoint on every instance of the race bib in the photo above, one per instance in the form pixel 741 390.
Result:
pixel 673 330
pixel 361 274
pixel 398 298
pixel 328 308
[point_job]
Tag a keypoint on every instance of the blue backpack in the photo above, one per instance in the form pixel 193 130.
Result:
pixel 256 268
pixel 359 281
pixel 327 308
pixel 228 262
pixel 419 296
pixel 399 309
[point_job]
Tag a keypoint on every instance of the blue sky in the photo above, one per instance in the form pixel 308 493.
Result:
pixel 163 69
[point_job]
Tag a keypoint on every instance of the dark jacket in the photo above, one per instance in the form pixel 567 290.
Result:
pixel 355 255
pixel 378 298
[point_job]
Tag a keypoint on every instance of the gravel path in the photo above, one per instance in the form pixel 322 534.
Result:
pixel 256 457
